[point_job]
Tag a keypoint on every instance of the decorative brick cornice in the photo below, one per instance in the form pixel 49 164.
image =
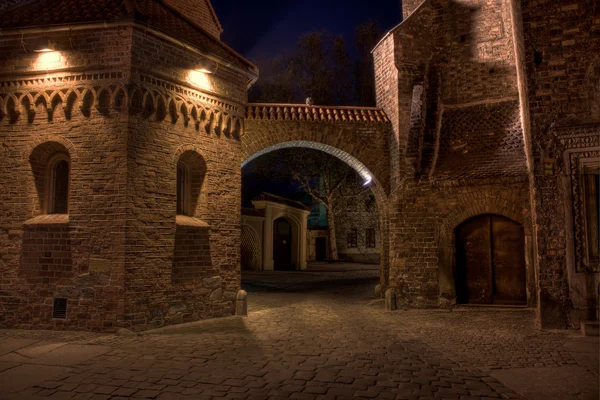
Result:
pixel 299 112
pixel 152 99
pixel 582 136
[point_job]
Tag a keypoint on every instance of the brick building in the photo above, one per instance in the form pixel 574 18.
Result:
pixel 123 125
pixel 494 156
pixel 120 201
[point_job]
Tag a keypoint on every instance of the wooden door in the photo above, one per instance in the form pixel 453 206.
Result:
pixel 473 262
pixel 490 261
pixel 508 261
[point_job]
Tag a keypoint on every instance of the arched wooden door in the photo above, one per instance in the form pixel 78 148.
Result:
pixel 282 244
pixel 490 261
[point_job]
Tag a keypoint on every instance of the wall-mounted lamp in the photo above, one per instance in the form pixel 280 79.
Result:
pixel 43 45
pixel 208 67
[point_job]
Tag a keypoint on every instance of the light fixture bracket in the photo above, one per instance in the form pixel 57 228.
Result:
pixel 43 45
pixel 206 67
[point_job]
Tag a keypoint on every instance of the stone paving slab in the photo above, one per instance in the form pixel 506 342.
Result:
pixel 39 348
pixel 324 340
pixel 55 354
pixel 562 383
pixel 9 344
pixel 22 377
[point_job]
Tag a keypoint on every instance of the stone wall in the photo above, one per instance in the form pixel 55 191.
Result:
pixel 79 257
pixel 562 70
pixel 120 257
pixel 356 208
pixel 452 97
pixel 182 119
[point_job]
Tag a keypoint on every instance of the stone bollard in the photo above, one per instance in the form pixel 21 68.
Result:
pixel 378 291
pixel 241 305
pixel 390 300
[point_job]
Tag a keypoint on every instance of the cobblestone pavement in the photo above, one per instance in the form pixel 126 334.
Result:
pixel 318 334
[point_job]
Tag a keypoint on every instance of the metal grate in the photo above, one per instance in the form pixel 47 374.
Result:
pixel 60 309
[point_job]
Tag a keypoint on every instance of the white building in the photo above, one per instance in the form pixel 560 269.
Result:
pixel 274 234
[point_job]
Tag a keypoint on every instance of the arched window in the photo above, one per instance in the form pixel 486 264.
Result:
pixel 191 171
pixel 58 184
pixel 183 190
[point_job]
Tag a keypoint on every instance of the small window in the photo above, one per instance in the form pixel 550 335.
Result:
pixel 59 309
pixel 183 192
pixel 352 238
pixel 370 237
pixel 58 185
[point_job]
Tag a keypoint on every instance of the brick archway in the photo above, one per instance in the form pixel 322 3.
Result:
pixel 359 167
pixel 358 136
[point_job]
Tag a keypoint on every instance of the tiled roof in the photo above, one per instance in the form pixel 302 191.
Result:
pixel 484 141
pixel 281 200
pixel 214 15
pixel 150 12
pixel 160 16
pixel 300 112
pixel 60 12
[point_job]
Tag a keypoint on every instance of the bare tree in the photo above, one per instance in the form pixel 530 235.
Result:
pixel 319 67
pixel 324 178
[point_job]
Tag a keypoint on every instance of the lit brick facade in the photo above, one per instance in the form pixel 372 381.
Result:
pixel 459 82
pixel 485 107
pixel 124 103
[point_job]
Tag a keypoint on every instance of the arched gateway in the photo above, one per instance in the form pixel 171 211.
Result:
pixel 359 136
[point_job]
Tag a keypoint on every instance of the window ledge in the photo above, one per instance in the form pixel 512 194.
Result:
pixel 48 219
pixel 184 220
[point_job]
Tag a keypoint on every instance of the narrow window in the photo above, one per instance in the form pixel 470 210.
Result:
pixel 58 202
pixel 591 186
pixel 182 190
pixel 352 238
pixel 370 237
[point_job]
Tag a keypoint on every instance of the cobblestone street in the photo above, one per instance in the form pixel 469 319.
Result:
pixel 316 334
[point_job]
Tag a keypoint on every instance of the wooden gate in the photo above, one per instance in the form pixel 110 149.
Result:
pixel 490 261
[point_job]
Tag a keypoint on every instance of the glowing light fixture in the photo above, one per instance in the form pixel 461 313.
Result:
pixel 207 68
pixel 44 45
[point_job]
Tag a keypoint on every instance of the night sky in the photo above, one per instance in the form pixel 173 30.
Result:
pixel 263 28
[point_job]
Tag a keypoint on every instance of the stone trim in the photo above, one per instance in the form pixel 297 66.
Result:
pixel 576 164
pixel 184 220
pixel 48 219
pixel 578 143
pixel 359 167
pixel 157 101
pixel 459 216
pixel 31 146
pixel 299 112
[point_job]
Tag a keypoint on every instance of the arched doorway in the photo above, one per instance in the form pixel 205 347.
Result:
pixel 490 261
pixel 282 245
pixel 370 180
